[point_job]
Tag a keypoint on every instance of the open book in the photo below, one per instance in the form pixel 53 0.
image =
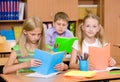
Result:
pixel 35 74
pixel 65 44
pixel 99 57
pixel 48 61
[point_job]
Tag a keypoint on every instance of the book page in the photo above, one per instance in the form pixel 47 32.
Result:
pixel 41 75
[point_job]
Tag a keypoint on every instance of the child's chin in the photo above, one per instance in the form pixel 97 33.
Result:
pixel 60 33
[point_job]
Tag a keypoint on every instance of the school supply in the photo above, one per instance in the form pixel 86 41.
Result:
pixel 65 44
pixel 83 65
pixel 99 57
pixel 83 62
pixel 77 73
pixel 84 57
pixel 48 60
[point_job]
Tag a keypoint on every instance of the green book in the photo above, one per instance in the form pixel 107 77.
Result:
pixel 64 44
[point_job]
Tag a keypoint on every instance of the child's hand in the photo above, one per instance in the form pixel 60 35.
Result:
pixel 34 63
pixel 91 67
pixel 60 67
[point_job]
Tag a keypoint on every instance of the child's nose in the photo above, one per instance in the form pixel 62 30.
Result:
pixel 36 37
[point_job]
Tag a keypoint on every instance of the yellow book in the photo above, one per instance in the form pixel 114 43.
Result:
pixel 78 73
pixel 17 31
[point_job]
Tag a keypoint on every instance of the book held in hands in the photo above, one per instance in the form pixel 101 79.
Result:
pixel 65 44
pixel 48 61
pixel 99 57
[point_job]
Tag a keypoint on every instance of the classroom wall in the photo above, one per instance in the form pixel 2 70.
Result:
pixel 112 26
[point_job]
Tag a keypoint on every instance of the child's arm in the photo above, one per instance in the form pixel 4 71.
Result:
pixel 60 67
pixel 11 67
pixel 73 60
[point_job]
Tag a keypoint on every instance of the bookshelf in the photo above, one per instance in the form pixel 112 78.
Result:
pixel 46 10
pixel 9 23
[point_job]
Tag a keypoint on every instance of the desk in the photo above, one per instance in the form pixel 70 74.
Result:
pixel 59 78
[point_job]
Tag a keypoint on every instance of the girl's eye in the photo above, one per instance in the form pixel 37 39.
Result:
pixel 32 34
pixel 94 26
pixel 87 25
pixel 39 34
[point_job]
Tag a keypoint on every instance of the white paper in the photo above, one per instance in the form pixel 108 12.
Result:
pixel 108 69
pixel 41 75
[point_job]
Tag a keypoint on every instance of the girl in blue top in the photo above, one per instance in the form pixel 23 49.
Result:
pixel 32 37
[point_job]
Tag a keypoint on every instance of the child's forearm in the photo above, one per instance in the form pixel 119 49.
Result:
pixel 14 68
pixel 74 66
pixel 65 66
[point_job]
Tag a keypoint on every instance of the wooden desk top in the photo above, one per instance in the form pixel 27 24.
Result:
pixel 59 78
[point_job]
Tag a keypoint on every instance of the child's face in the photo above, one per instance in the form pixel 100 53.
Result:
pixel 33 36
pixel 90 27
pixel 60 26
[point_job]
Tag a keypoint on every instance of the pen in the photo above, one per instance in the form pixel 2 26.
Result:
pixel 86 56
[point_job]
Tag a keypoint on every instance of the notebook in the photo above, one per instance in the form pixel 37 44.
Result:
pixel 48 61
pixel 78 73
pixel 65 44
pixel 99 57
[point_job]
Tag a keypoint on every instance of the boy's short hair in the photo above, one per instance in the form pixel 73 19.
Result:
pixel 61 15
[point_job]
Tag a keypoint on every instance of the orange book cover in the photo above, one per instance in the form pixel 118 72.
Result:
pixel 99 57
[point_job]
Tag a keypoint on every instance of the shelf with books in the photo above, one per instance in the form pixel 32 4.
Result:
pixel 11 9
pixel 3 21
pixel 12 13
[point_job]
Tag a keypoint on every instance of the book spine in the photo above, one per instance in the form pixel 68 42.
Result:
pixel 9 9
pixel 0 9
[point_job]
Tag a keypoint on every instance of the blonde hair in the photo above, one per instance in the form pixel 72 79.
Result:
pixel 61 15
pixel 99 35
pixel 30 24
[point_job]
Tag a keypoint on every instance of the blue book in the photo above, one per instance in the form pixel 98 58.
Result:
pixel 48 61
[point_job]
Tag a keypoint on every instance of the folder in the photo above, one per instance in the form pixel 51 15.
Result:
pixel 99 57
pixel 78 73
pixel 65 44
pixel 48 61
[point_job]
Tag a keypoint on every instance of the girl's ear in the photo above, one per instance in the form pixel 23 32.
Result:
pixel 99 27
pixel 24 31
pixel 81 26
